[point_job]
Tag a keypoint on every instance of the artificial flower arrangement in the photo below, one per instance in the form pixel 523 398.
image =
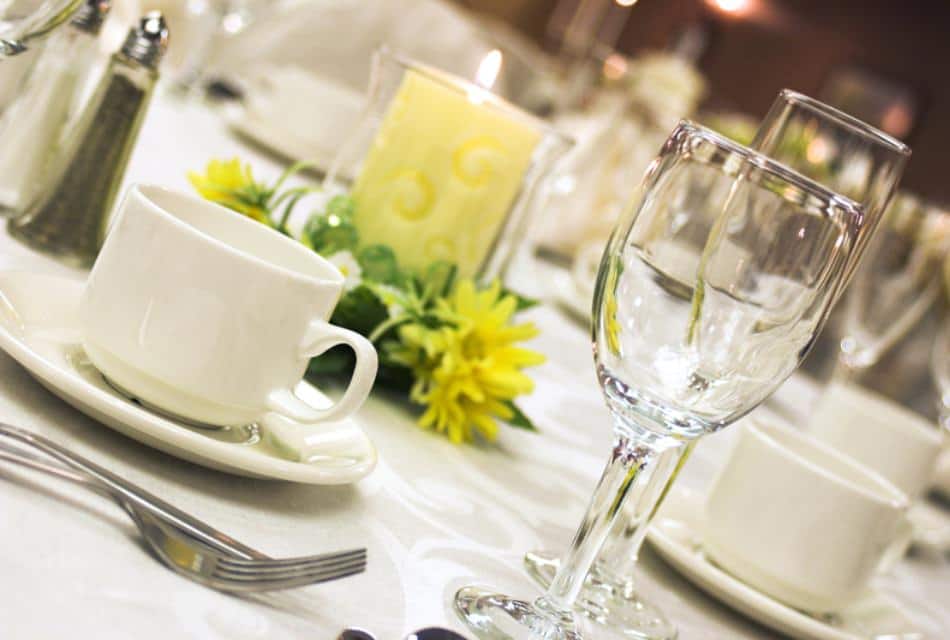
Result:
pixel 447 342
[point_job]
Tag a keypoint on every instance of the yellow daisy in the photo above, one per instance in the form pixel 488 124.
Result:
pixel 469 371
pixel 232 185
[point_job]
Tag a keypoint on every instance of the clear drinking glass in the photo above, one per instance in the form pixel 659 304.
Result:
pixel 897 283
pixel 689 335
pixel 441 169
pixel 822 143
pixel 836 150
pixel 25 22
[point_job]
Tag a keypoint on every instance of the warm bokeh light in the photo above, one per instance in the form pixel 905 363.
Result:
pixel 615 66
pixel 897 120
pixel 489 69
pixel 818 151
pixel 734 7
pixel 626 3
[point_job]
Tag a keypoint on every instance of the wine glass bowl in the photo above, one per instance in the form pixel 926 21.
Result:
pixel 837 151
pixel 691 336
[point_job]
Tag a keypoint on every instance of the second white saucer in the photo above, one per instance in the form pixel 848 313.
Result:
pixel 675 534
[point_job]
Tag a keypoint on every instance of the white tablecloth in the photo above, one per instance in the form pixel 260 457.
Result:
pixel 433 516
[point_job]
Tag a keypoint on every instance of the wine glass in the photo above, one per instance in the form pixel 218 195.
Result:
pixel 826 145
pixel 25 22
pixel 896 284
pixel 688 338
pixel 838 151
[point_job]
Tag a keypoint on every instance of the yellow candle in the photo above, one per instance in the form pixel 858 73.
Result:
pixel 441 175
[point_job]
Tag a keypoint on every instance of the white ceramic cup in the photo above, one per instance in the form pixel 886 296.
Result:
pixel 894 441
pixel 801 521
pixel 211 316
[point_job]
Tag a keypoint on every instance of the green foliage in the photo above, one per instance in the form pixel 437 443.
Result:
pixel 327 235
pixel 378 262
pixel 519 420
pixel 360 310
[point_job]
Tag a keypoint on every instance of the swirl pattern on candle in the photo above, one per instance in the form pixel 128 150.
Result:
pixel 411 194
pixel 477 160
pixel 441 247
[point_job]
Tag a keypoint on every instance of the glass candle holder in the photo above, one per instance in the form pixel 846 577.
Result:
pixel 441 169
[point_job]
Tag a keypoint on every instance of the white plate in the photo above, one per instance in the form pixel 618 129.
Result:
pixel 296 114
pixel 38 329
pixel 676 537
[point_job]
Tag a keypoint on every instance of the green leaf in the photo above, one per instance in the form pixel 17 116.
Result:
pixel 336 361
pixel 378 262
pixel 395 377
pixel 327 237
pixel 524 303
pixel 341 206
pixel 519 420
pixel 360 310
pixel 438 279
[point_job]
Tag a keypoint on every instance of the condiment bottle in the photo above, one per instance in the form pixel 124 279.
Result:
pixel 70 218
pixel 48 98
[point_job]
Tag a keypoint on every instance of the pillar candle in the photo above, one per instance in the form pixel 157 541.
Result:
pixel 442 174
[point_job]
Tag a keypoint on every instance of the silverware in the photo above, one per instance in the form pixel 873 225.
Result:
pixel 128 492
pixel 196 562
pixel 174 545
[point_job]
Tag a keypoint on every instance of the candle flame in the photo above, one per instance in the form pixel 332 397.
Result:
pixel 488 69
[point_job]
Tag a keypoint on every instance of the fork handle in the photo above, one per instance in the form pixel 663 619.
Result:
pixel 124 490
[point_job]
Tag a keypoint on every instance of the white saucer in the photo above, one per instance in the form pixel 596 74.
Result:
pixel 38 329
pixel 676 537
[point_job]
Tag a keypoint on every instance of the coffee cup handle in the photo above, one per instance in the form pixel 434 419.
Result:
pixel 903 535
pixel 321 337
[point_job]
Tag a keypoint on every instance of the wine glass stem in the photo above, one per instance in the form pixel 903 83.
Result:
pixel 618 557
pixel 628 485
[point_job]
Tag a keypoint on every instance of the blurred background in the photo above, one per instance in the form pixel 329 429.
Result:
pixel 882 61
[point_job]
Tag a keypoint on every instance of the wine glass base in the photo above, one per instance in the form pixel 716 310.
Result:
pixel 493 616
pixel 614 606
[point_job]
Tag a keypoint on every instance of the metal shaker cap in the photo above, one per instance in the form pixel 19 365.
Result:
pixel 90 15
pixel 147 42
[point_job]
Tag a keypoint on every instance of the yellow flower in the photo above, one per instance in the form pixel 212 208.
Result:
pixel 232 185
pixel 467 372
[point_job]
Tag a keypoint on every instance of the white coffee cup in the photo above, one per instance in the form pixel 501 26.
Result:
pixel 896 442
pixel 211 316
pixel 801 521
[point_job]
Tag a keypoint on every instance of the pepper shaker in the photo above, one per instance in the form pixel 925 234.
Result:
pixel 70 218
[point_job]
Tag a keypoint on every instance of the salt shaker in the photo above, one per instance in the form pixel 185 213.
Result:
pixel 69 218
pixel 47 100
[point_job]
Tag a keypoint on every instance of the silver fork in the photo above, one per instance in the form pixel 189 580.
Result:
pixel 177 548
